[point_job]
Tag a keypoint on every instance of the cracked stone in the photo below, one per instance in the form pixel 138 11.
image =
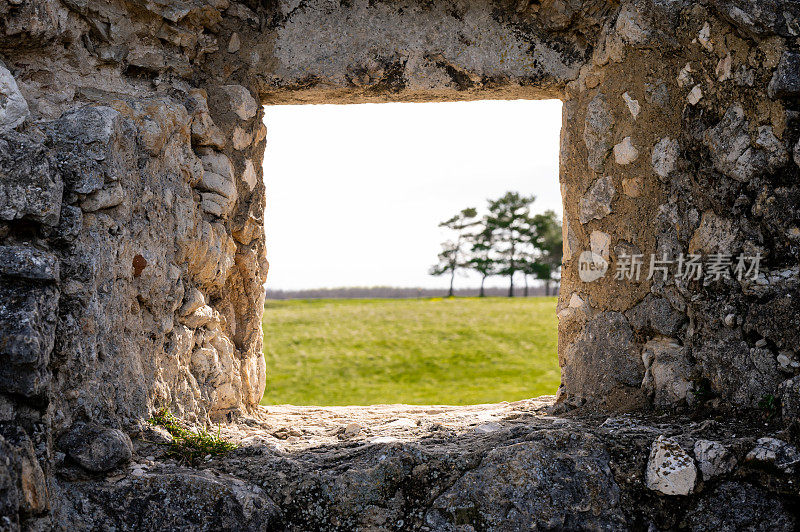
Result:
pixel 670 469
pixel 596 203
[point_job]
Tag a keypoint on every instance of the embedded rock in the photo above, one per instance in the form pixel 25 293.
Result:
pixel 28 328
pixel 670 469
pixel 713 458
pixel 597 132
pixel 655 316
pixel 664 157
pixel 603 356
pixel 30 188
pixel 776 453
pixel 625 152
pixel 785 82
pixel 596 203
pixel 789 394
pixel 13 107
pixel 668 372
pixel 97 448
pixel 241 101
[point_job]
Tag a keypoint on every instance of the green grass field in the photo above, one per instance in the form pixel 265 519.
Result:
pixel 419 351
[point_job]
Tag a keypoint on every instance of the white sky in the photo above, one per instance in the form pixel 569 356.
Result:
pixel 355 192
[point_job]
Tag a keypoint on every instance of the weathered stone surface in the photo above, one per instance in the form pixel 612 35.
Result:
pixel 664 157
pixel 597 132
pixel 655 316
pixel 13 107
pixel 668 371
pixel 716 234
pixel 418 467
pixel 596 203
pixel 670 469
pixel 785 82
pixel 776 453
pixel 180 499
pixel 30 187
pixel 739 156
pixel 713 459
pixel 27 330
pixel 625 152
pixel 97 448
pixel 126 98
pixel 740 506
pixel 28 263
pixel 512 488
pixel 603 357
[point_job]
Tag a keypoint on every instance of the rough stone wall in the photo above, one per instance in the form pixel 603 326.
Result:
pixel 131 194
pixel 678 139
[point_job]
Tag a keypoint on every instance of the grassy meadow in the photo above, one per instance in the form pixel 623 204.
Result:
pixel 417 351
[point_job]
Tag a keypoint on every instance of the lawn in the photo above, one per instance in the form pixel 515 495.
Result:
pixel 416 351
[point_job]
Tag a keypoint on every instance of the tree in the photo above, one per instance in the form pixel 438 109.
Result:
pixel 480 255
pixel 549 245
pixel 453 254
pixel 512 230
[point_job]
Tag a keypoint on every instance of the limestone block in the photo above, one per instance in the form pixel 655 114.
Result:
pixel 655 315
pixel 600 243
pixel 218 180
pixel 13 107
pixel 695 95
pixel 713 458
pixel 776 453
pixel 603 357
pixel 670 469
pixel 199 317
pixel 193 300
pixel 632 27
pixel 241 101
pixel 204 131
pixel 736 155
pixel 596 203
pixel 241 138
pixel 250 176
pixel 105 198
pixel 633 105
pixel 234 43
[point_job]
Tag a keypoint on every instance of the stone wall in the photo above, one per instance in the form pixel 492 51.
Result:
pixel 131 194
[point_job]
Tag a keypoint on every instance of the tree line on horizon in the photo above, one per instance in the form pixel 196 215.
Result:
pixel 505 241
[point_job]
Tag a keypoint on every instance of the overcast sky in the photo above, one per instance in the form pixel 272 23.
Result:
pixel 355 192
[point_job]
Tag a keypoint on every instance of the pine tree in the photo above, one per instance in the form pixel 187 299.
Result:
pixel 511 226
pixel 453 254
pixel 481 257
